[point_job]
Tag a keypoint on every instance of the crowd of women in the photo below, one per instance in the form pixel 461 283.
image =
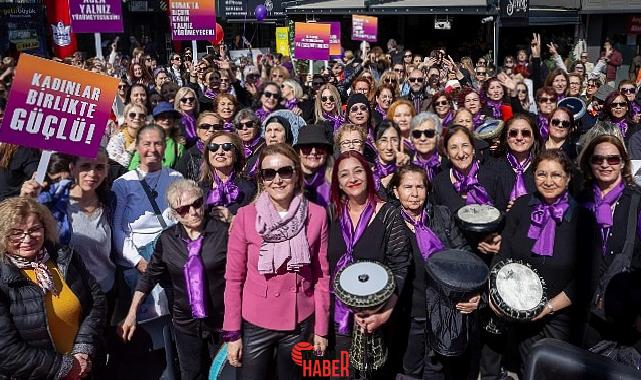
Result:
pixel 242 190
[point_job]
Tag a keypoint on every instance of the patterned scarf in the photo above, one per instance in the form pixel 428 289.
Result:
pixel 44 278
pixel 416 99
pixel 622 124
pixel 262 114
pixel 544 126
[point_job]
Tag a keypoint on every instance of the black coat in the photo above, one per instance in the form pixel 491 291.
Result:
pixel 166 265
pixel 507 178
pixel 189 164
pixel 20 169
pixel 27 349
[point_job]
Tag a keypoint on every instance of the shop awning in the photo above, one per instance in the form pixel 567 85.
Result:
pixel 385 7
pixel 325 7
pixel 608 6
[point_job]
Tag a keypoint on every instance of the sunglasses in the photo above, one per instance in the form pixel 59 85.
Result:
pixel 399 70
pixel 177 59
pixel 286 172
pixel 429 133
pixel 187 100
pixel 307 149
pixel 215 127
pixel 122 86
pixel 317 83
pixel 213 147
pixel 591 85
pixel 246 125
pixel 419 80
pixel 611 160
pixel 481 73
pixel 513 133
pixel 618 104
pixel 407 56
pixel 560 123
pixel 355 108
pixel 522 91
pixel 182 210
pixel 546 100
pixel 326 99
pixel 133 115
pixel 628 90
pixel 390 80
pixel 509 61
pixel 268 95
pixel 441 103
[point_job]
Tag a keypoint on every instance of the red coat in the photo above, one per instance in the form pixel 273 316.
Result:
pixel 276 302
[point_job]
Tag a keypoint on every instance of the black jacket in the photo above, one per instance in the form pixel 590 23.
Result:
pixel 21 167
pixel 189 164
pixel 247 190
pixel 167 262
pixel 27 349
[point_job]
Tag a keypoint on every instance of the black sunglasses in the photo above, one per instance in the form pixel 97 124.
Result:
pixel 187 100
pixel 560 123
pixel 618 104
pixel 513 133
pixel 628 90
pixel 441 103
pixel 268 95
pixel 133 115
pixel 246 125
pixel 598 160
pixel 307 149
pixel 198 203
pixel 213 147
pixel 429 133
pixel 326 99
pixel 419 80
pixel 390 80
pixel 216 127
pixel 356 108
pixel 286 172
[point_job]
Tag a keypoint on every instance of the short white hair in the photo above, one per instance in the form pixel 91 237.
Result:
pixel 179 189
pixel 426 116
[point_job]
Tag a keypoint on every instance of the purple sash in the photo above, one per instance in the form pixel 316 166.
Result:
pixel 225 193
pixel 430 165
pixel 194 272
pixel 469 184
pixel 544 128
pixel 319 187
pixel 602 208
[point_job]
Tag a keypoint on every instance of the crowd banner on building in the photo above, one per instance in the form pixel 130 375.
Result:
pixel 633 25
pixel 364 28
pixel 335 48
pixel 91 16
pixel 192 20
pixel 282 40
pixel 58 107
pixel 311 41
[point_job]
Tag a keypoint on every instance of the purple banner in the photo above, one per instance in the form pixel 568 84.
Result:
pixel 364 28
pixel 96 16
pixel 335 48
pixel 193 20
pixel 311 41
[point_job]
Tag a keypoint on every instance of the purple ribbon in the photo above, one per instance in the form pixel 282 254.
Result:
pixel 342 314
pixel 211 94
pixel 543 221
pixel 194 271
pixel 635 109
pixel 478 119
pixel 408 145
pixel 291 104
pixel 250 147
pixel 227 126
pixel 622 124
pixel 262 113
pixel 319 187
pixel 495 105
pixel 469 184
pixel 602 208
pixel 190 128
pixel 544 126
pixel 200 145
pixel 519 185
pixel 382 170
pixel 225 193
pixel 428 242
pixel 430 165
pixel 336 119
pixel 380 111
pixel 448 119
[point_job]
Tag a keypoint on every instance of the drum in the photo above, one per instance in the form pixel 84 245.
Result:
pixel 575 105
pixel 365 287
pixel 517 290
pixel 220 368
pixel 490 129
pixel 480 219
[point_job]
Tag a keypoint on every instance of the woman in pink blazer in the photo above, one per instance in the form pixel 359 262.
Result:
pixel 277 288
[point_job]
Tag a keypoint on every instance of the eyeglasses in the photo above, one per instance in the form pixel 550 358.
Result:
pixel 522 91
pixel 307 149
pixel 390 80
pixel 133 115
pixel 591 85
pixel 187 100
pixel 429 133
pixel 509 61
pixel 352 143
pixel 441 103
pixel 399 70
pixel 560 123
pixel 286 172
pixel 554 176
pixel 278 76
pixel 213 147
pixel 268 95
pixel 584 57
pixel 182 210
pixel 246 125
pixel 177 59
pixel 481 73
pixel 355 108
pixel 326 99
pixel 611 160
pixel 419 80
pixel 619 104
pixel 514 133
pixel 545 99
pixel 215 127
pixel 407 56
pixel 17 236
pixel 628 90
pixel 224 79
pixel 122 86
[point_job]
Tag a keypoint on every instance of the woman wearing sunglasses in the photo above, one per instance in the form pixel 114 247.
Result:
pixel 364 228
pixel 277 275
pixel 392 79
pixel 189 165
pixel 425 134
pixel 121 147
pixel 248 128
pixel 268 101
pixel 187 104
pixel 616 110
pixel 191 255
pixel 315 157
pixel 561 129
pixel 546 100
pixel 383 98
pixel 327 108
pixel 443 108
pixel 360 114
pixel 613 198
pixel 226 190
pixel 629 89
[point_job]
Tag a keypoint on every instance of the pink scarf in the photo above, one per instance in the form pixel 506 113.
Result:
pixel 284 239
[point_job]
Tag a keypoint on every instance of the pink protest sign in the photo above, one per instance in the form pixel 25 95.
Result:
pixel 364 28
pixel 57 107
pixel 91 16
pixel 311 41
pixel 193 20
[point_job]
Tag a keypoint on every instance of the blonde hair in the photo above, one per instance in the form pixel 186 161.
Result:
pixel 181 93
pixel 177 188
pixel 318 108
pixel 17 209
pixel 298 90
pixel 348 128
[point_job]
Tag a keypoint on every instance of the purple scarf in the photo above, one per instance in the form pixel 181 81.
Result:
pixel 190 128
pixel 478 119
pixel 544 126
pixel 495 106
pixel 337 120
pixel 602 208
pixel 430 165
pixel 416 99
pixel 211 94
pixel 381 171
pixel 635 109
pixel 622 124
pixel 342 314
pixel 262 113
pixel 200 145
pixel 291 104
pixel 194 272
pixel 250 147
pixel 428 242
pixel 447 119
pixel 543 221
pixel 225 193
pixel 380 111
pixel 317 186
pixel 469 184
pixel 519 185
pixel 408 145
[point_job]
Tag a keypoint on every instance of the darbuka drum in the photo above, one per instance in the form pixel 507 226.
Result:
pixel 490 129
pixel 481 219
pixel 517 290
pixel 221 369
pixel 365 287
pixel 575 105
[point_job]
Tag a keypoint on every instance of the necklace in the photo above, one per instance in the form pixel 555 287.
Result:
pixel 153 193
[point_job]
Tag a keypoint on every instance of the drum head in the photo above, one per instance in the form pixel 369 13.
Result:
pixel 517 290
pixel 364 284
pixel 457 270
pixel 479 218
pixel 490 129
pixel 575 105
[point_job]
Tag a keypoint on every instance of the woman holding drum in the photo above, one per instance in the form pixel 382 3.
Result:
pixel 541 234
pixel 364 228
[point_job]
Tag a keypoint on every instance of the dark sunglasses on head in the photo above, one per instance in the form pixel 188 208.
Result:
pixel 246 125
pixel 198 203
pixel 213 147
pixel 618 104
pixel 268 95
pixel 429 133
pixel 356 108
pixel 133 115
pixel 419 80
pixel 286 172
pixel 628 90
pixel 611 160
pixel 326 99
pixel 187 100
pixel 560 123
pixel 307 149
pixel 215 127
pixel 441 103
pixel 513 133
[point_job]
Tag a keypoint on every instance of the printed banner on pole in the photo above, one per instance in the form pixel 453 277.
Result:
pixel 335 48
pixel 91 16
pixel 311 41
pixel 364 28
pixel 282 40
pixel 58 107
pixel 193 20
